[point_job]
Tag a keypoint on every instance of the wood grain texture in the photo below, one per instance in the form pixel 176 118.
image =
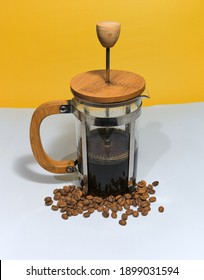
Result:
pixel 91 86
pixel 39 153
pixel 108 33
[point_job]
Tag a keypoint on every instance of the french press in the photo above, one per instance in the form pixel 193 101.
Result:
pixel 107 104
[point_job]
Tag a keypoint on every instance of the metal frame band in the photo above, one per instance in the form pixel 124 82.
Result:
pixel 131 151
pixel 106 121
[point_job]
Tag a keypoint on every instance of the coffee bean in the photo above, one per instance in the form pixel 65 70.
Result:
pixel 108 204
pixel 128 201
pixel 71 188
pixel 136 195
pixel 118 196
pixel 48 199
pixel 126 206
pixel 91 210
pixel 54 207
pixel 64 209
pixel 144 203
pixel 144 213
pixel 86 202
pixel 152 199
pixel 122 222
pixel 111 198
pixel 69 200
pixel 151 191
pixel 55 191
pixel 124 216
pixel 105 202
pixel 144 196
pixel 69 212
pixel 114 215
pixel 62 203
pixel 105 214
pixel 114 208
pixel 155 183
pixel 80 210
pixel 120 208
pixel 86 214
pixel 80 204
pixel 161 209
pixel 64 216
pixel 135 214
pixel 62 192
pixel 142 190
pixel 129 212
pixel 147 208
pixel 141 184
pixel 98 199
pixel 134 203
pixel 75 212
pixel 95 206
pixel 138 201
pixel 73 201
pixel 66 189
pixel 49 203
pixel 122 203
pixel 100 208
pixel 57 196
pixel 80 193
pixel 120 199
pixel 76 196
pixel 127 195
pixel 106 209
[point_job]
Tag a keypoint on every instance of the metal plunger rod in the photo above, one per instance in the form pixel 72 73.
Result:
pixel 108 33
pixel 107 65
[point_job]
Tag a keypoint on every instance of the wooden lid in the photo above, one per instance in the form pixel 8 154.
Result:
pixel 91 86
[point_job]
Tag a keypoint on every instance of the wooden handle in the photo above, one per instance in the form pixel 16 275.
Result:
pixel 40 155
pixel 108 33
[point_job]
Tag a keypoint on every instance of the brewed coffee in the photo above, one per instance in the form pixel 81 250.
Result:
pixel 108 161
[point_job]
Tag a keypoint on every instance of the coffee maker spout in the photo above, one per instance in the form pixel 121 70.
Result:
pixel 144 94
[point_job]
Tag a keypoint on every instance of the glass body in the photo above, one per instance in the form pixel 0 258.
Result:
pixel 107 145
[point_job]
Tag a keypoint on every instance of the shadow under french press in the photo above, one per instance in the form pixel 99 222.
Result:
pixel 153 144
pixel 25 168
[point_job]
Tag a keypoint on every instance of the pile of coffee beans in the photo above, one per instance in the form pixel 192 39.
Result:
pixel 72 201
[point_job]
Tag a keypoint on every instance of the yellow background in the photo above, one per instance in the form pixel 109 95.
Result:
pixel 44 43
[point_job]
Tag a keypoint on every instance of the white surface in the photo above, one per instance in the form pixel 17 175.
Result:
pixel 171 150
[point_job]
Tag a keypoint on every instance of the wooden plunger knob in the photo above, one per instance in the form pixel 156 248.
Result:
pixel 108 33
